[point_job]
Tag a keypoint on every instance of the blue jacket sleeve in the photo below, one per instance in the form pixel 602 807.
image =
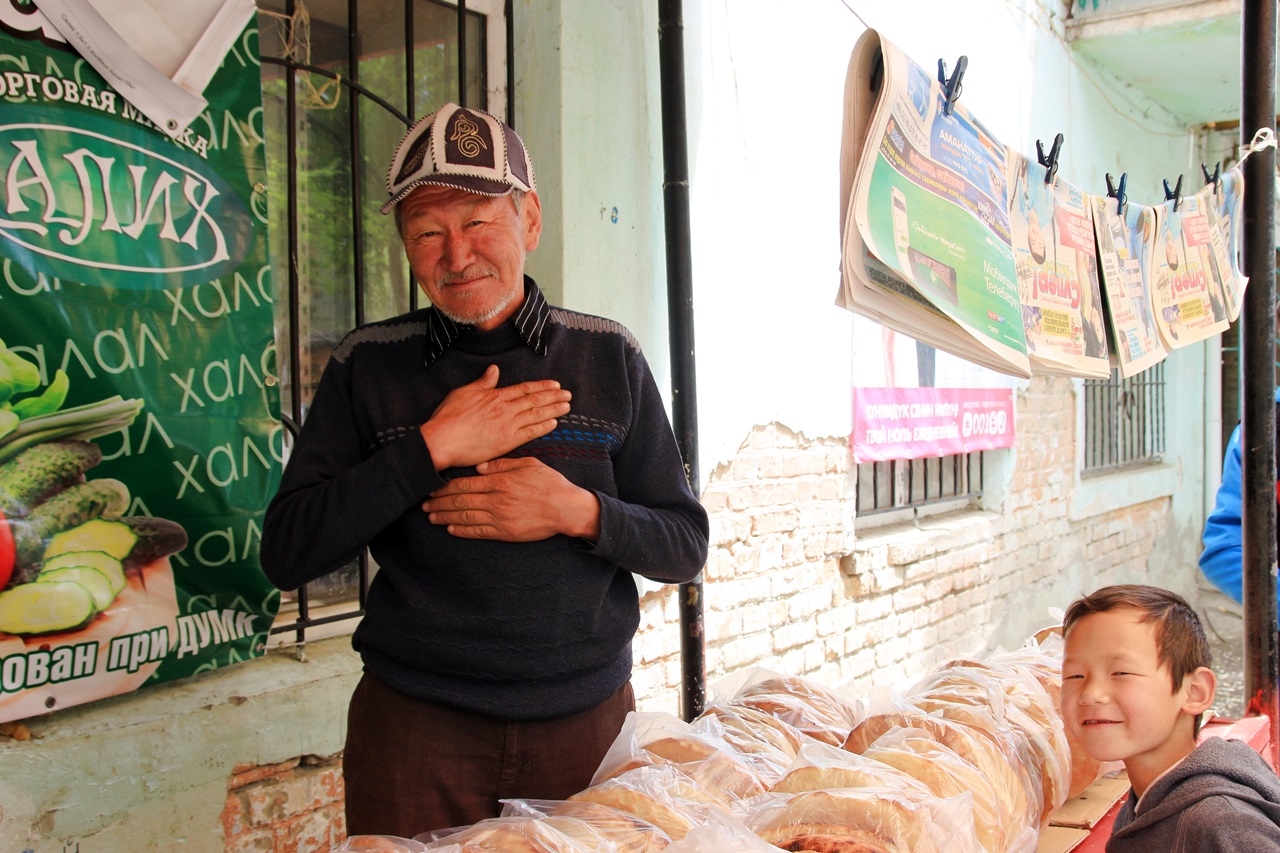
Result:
pixel 1223 556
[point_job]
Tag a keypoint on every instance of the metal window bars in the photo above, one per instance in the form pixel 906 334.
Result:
pixel 1124 421
pixel 912 484
pixel 328 282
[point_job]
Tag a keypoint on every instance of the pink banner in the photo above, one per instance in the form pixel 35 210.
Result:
pixel 912 423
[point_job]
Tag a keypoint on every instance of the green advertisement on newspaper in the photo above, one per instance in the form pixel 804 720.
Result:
pixel 946 227
pixel 139 433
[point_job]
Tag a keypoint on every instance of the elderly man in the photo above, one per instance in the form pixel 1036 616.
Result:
pixel 509 464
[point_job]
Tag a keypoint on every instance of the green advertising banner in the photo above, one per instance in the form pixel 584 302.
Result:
pixel 139 432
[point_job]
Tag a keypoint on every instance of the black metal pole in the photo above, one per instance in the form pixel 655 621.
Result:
pixel 1258 342
pixel 675 190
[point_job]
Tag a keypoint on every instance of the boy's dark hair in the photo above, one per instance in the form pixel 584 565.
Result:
pixel 1180 638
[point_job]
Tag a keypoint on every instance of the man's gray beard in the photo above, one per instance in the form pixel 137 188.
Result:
pixel 483 318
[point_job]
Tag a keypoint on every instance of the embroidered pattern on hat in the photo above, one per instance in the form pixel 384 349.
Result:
pixel 466 133
pixel 467 143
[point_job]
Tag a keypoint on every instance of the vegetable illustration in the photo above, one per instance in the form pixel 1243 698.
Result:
pixel 65 549
pixel 134 540
pixel 42 471
pixel 31 420
pixel 43 608
pixel 68 508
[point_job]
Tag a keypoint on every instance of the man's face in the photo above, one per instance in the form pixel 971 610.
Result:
pixel 1117 697
pixel 467 251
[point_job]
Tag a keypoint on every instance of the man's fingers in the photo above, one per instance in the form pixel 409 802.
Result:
pixel 539 390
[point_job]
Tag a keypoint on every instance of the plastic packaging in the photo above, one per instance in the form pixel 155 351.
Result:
pixel 656 738
pixel 878 817
pixel 765 743
pixel 820 766
pixel 380 844
pixel 820 712
pixel 517 835
pixel 660 794
pixel 624 832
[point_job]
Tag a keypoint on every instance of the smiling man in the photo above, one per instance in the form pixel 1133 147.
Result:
pixel 509 464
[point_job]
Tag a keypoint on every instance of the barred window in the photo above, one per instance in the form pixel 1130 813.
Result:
pixel 1124 421
pixel 910 485
pixel 341 82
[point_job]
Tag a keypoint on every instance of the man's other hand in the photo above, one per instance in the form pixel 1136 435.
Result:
pixel 479 421
pixel 515 500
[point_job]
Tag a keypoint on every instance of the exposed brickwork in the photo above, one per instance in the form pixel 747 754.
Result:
pixel 790 587
pixel 292 807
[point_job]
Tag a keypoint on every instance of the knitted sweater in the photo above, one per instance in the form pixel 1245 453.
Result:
pixel 1222 797
pixel 513 630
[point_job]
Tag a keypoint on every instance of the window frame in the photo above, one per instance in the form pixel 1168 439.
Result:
pixel 302 618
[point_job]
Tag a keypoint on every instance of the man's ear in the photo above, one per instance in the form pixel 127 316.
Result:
pixel 531 212
pixel 1200 687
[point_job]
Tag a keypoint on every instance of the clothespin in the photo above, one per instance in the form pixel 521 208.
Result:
pixel 951 85
pixel 1215 178
pixel 1117 192
pixel 1050 163
pixel 1175 194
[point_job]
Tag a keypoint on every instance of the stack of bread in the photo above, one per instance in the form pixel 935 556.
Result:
pixel 972 759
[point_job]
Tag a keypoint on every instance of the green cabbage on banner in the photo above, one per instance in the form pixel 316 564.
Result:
pixel 139 433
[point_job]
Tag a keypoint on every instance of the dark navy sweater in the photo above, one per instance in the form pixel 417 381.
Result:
pixel 512 630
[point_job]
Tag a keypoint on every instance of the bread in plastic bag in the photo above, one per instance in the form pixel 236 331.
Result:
pixel 719 832
pixel 521 835
pixel 624 832
pixel 1010 701
pixel 820 766
pixel 1042 657
pixel 380 844
pixel 765 743
pixel 981 742
pixel 946 774
pixel 820 712
pixel 658 738
pixel 879 818
pixel 661 794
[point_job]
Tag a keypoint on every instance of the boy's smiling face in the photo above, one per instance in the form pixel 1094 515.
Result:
pixel 1118 697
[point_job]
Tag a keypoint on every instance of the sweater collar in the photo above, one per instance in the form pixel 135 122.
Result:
pixel 530 321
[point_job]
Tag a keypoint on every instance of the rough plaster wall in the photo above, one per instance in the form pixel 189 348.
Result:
pixel 791 587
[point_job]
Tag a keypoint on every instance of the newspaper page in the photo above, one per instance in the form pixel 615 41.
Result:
pixel 1125 245
pixel 1057 272
pixel 1187 273
pixel 1230 201
pixel 925 195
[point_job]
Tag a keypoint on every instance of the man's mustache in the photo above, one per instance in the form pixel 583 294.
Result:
pixel 467 274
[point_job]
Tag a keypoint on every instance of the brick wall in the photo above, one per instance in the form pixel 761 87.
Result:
pixel 292 807
pixel 792 586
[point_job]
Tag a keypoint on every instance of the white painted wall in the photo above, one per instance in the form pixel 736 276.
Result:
pixel 765 136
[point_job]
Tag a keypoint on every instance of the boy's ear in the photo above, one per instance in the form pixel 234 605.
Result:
pixel 1200 687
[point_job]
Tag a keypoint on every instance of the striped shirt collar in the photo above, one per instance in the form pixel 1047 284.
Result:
pixel 530 321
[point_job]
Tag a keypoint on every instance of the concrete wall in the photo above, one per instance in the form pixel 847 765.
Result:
pixel 247 758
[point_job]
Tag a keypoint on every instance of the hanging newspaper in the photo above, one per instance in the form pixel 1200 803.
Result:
pixel 955 239
pixel 1057 271
pixel 1230 199
pixel 925 226
pixel 1126 244
pixel 139 431
pixel 1190 262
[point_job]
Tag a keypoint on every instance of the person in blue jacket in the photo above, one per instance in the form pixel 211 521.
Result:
pixel 1222 560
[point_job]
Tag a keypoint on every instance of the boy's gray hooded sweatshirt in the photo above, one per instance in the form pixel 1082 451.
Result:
pixel 1221 797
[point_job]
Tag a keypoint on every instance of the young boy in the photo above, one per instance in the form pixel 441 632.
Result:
pixel 1135 682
